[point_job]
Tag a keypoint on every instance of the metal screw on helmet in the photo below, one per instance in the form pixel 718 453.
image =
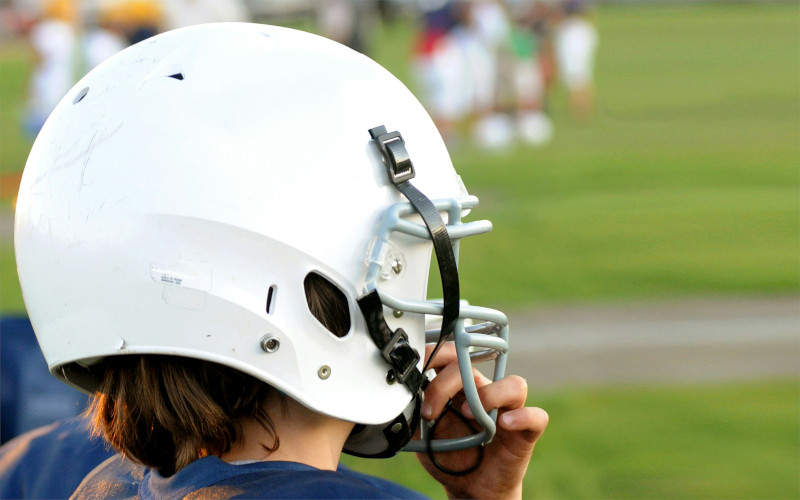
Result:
pixel 324 372
pixel 398 314
pixel 391 378
pixel 397 266
pixel 270 343
pixel 397 427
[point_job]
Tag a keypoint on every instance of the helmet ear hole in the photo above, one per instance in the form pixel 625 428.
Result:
pixel 327 303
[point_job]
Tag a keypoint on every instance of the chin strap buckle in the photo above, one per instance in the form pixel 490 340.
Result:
pixel 403 358
pixel 393 148
pixel 394 346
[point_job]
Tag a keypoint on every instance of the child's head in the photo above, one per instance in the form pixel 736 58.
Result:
pixel 167 411
pixel 220 193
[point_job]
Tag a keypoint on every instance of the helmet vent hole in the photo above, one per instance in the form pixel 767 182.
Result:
pixel 177 76
pixel 271 299
pixel 327 303
pixel 81 95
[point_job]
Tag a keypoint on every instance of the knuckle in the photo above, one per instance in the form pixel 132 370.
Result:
pixel 541 416
pixel 518 384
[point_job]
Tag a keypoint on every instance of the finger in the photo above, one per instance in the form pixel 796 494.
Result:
pixel 529 418
pixel 508 393
pixel 481 380
pixel 442 388
pixel 445 355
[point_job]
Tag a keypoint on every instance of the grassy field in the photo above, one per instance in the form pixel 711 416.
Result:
pixel 729 441
pixel 685 183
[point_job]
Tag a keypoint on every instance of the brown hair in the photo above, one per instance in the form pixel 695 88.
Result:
pixel 327 303
pixel 167 411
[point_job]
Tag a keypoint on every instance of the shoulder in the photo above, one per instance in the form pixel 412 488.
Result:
pixel 320 484
pixel 390 487
pixel 51 461
pixel 309 484
pixel 117 477
pixel 211 477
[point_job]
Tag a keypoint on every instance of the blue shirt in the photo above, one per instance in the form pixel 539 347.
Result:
pixel 50 462
pixel 210 477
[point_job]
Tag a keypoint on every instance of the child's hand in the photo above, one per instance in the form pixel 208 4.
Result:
pixel 506 458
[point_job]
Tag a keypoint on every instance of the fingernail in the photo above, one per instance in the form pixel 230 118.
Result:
pixel 427 411
pixel 466 410
pixel 508 420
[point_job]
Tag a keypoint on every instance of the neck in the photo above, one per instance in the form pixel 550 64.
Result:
pixel 306 437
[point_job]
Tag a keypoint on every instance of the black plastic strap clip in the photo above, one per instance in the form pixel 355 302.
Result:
pixel 403 358
pixel 394 345
pixel 393 148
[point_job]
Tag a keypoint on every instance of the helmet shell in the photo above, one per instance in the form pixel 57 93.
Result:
pixel 183 179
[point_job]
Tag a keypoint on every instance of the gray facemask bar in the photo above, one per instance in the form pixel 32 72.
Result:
pixel 490 334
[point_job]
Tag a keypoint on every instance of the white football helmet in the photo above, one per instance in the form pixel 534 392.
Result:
pixel 180 194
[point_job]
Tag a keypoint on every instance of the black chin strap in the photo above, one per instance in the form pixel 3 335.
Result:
pixel 394 346
pixel 398 353
pixel 401 171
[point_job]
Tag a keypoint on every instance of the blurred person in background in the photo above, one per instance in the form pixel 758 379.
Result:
pixel 180 13
pixel 13 19
pixel 456 65
pixel 575 41
pixel 53 39
pixel 438 66
pixel 103 38
pixel 349 22
pixel 531 48
pixel 138 19
pixel 487 35
pixel 142 19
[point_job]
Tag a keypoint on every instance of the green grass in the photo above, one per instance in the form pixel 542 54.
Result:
pixel 10 293
pixel 15 65
pixel 716 441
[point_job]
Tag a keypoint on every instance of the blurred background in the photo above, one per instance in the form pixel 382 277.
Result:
pixel 639 161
